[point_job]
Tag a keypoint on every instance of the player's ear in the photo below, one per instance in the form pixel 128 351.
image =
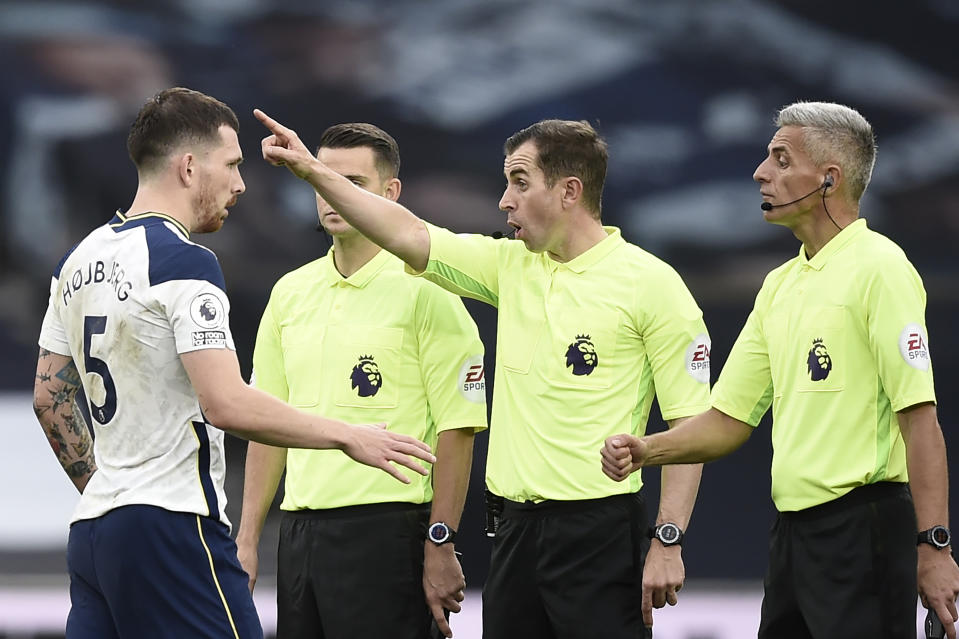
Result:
pixel 186 168
pixel 392 189
pixel 572 190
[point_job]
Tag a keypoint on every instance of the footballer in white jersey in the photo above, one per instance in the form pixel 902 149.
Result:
pixel 124 304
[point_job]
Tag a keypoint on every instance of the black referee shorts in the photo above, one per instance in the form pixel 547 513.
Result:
pixel 846 568
pixel 353 572
pixel 568 570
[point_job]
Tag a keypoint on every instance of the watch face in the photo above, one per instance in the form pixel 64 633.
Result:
pixel 940 536
pixel 668 533
pixel 438 533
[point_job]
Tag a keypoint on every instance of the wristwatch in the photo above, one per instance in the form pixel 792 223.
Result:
pixel 937 537
pixel 440 533
pixel 668 534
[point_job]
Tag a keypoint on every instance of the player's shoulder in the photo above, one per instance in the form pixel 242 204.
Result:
pixel 87 244
pixel 172 257
pixel 633 260
pixel 65 258
pixel 878 259
pixel 773 281
pixel 308 272
pixel 874 248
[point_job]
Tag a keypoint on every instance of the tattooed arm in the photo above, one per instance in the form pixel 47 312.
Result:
pixel 54 402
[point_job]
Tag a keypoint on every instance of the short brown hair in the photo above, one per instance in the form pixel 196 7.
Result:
pixel 174 117
pixel 568 148
pixel 351 135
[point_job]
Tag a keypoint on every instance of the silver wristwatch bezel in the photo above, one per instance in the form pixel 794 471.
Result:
pixel 929 537
pixel 660 534
pixel 445 537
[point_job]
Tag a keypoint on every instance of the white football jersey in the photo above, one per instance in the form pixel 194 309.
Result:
pixel 124 303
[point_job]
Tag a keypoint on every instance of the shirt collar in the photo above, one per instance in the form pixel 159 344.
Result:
pixel 595 253
pixel 122 219
pixel 362 277
pixel 833 246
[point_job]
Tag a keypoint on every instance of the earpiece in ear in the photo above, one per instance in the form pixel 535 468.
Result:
pixel 827 182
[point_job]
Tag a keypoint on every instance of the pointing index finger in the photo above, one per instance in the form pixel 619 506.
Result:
pixel 270 123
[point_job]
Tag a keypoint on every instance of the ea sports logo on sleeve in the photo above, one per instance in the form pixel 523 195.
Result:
pixel 913 346
pixel 206 310
pixel 697 358
pixel 472 379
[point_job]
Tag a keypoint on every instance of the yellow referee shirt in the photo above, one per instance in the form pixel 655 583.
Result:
pixel 582 348
pixel 837 344
pixel 378 346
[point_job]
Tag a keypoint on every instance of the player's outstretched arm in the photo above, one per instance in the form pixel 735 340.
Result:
pixel 383 221
pixel 54 402
pixel 228 403
pixel 703 438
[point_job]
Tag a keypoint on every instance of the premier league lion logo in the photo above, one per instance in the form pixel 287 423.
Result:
pixel 208 311
pixel 581 355
pixel 818 363
pixel 366 377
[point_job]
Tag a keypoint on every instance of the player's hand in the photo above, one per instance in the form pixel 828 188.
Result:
pixel 663 577
pixel 443 583
pixel 284 147
pixel 249 560
pixel 938 578
pixel 375 446
pixel 623 454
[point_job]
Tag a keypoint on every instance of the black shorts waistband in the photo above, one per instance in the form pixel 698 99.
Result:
pixel 855 497
pixel 552 506
pixel 357 510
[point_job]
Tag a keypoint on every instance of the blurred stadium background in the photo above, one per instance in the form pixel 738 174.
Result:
pixel 684 92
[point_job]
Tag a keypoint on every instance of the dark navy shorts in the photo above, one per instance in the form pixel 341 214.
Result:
pixel 142 572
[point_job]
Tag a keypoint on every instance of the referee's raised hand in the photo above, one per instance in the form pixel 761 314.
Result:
pixel 283 147
pixel 622 455
pixel 373 445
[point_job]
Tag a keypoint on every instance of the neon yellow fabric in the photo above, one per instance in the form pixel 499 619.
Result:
pixel 836 344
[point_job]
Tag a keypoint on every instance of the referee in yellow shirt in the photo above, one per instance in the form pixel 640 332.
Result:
pixel 836 344
pixel 590 328
pixel 354 337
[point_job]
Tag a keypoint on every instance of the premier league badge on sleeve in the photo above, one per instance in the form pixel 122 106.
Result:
pixel 206 311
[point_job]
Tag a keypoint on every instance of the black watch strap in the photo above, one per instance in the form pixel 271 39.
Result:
pixel 668 534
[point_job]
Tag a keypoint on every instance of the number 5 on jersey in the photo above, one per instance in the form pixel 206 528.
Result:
pixel 97 325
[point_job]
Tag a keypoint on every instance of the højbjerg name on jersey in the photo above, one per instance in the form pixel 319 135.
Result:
pixel 96 273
